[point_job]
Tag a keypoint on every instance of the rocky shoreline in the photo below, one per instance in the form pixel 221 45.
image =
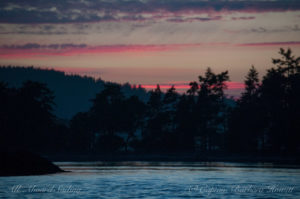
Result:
pixel 21 163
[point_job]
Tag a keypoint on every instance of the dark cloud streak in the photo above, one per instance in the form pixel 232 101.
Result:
pixel 68 11
pixel 294 28
pixel 243 18
pixel 41 46
pixel 192 19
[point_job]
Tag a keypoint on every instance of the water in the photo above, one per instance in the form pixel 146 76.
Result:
pixel 157 180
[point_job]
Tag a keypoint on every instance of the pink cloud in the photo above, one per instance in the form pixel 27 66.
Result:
pixel 23 53
pixel 235 85
pixel 184 85
pixel 13 52
pixel 16 52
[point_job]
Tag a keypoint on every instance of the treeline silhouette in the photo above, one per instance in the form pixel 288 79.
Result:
pixel 264 121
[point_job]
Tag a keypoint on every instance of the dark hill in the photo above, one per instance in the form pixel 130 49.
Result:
pixel 73 93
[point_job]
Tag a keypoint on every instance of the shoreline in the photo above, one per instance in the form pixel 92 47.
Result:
pixel 290 160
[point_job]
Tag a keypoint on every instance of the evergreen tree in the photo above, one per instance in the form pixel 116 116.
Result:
pixel 194 87
pixel 251 85
pixel 210 105
pixel 26 116
pixel 108 119
pixel 246 120
pixel 280 94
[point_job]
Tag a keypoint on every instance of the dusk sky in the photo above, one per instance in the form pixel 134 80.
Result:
pixel 148 41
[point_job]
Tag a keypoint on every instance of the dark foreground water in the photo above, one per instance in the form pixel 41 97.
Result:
pixel 157 180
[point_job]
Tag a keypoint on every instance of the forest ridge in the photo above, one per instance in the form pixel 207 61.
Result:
pixel 72 93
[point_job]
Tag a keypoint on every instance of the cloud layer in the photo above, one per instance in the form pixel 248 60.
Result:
pixel 68 49
pixel 57 11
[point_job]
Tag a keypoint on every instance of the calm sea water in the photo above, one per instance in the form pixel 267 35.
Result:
pixel 157 180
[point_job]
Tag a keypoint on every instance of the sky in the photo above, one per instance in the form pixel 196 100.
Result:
pixel 149 42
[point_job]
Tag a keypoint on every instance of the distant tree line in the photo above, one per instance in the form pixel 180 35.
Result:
pixel 265 119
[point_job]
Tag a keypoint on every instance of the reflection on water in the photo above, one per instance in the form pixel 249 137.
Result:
pixel 157 180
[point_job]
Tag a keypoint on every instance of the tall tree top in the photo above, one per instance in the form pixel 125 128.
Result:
pixel 251 82
pixel 288 64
